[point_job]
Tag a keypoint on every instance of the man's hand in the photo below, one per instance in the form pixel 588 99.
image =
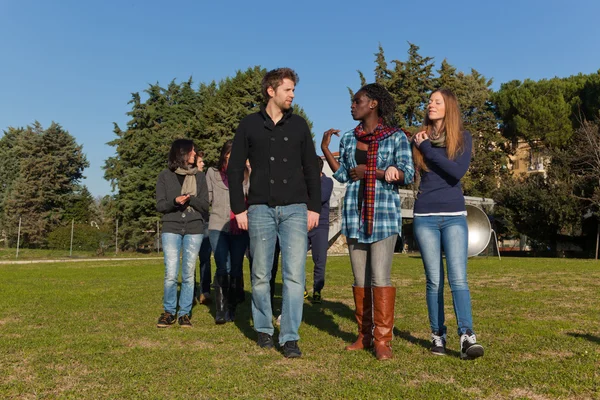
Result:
pixel 313 220
pixel 358 173
pixel 392 174
pixel 242 220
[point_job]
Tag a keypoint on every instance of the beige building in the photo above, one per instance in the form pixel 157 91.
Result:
pixel 528 160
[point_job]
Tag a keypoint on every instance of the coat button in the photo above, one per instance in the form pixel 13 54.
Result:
pixel 285 160
pixel 285 138
pixel 285 181
pixel 272 158
pixel 272 139
pixel 272 181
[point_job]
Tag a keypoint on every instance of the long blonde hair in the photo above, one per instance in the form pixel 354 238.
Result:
pixel 451 125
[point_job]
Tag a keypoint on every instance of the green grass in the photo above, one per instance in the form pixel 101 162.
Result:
pixel 10 254
pixel 87 330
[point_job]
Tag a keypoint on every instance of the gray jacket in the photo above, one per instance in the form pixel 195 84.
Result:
pixel 218 196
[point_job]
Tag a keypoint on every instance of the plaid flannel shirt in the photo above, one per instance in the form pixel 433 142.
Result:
pixel 394 150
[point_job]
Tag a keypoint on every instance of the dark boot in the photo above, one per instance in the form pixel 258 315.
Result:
pixel 197 292
pixel 363 302
pixel 232 297
pixel 221 294
pixel 241 295
pixel 384 299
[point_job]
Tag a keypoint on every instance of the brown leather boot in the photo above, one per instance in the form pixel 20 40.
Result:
pixel 384 299
pixel 363 301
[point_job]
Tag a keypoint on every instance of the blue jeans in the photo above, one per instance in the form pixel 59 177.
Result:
pixel 450 234
pixel 229 251
pixel 173 244
pixel 265 225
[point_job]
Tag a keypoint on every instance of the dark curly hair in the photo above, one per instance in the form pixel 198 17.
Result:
pixel 274 79
pixel 386 105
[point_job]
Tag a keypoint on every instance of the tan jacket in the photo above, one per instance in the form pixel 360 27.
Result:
pixel 218 196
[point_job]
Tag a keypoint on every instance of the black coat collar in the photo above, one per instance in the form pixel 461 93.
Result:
pixel 269 122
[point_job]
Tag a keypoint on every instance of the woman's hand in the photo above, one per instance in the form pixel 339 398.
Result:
pixel 358 173
pixel 181 200
pixel 420 137
pixel 392 174
pixel 327 138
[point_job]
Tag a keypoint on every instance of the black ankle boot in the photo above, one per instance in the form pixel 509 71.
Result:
pixel 221 294
pixel 233 298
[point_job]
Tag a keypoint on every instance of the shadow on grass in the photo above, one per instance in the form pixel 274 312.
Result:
pixel 426 344
pixel 587 336
pixel 314 315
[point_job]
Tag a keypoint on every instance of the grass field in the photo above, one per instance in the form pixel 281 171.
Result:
pixel 87 330
pixel 10 254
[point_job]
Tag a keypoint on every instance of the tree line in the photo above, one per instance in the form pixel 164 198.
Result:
pixel 41 169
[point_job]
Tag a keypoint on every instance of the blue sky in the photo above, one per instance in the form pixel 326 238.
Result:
pixel 77 62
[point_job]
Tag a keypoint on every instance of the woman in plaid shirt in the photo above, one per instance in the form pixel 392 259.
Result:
pixel 375 157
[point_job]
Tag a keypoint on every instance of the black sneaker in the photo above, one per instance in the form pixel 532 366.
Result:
pixel 184 321
pixel 316 299
pixel 265 341
pixel 438 344
pixel 165 320
pixel 291 349
pixel 469 348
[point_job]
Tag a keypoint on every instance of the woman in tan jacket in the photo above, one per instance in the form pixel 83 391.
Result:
pixel 228 241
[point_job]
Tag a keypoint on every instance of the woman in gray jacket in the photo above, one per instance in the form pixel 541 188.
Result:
pixel 227 240
pixel 182 198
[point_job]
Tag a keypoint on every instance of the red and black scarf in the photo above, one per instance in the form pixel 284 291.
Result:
pixel 380 133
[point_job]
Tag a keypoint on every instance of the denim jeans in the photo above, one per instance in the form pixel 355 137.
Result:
pixel 265 225
pixel 449 234
pixel 228 251
pixel 173 244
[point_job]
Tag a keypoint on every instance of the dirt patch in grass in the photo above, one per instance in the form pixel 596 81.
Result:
pixel 9 320
pixel 145 343
pixel 527 394
pixel 21 371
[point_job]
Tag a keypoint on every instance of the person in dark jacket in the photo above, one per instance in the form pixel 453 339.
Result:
pixel 284 202
pixel 442 154
pixel 182 198
pixel 318 238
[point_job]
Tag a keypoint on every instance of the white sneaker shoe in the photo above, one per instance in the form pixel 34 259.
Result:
pixel 278 320
pixel 438 344
pixel 469 348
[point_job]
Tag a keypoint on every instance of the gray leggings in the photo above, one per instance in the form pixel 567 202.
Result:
pixel 372 262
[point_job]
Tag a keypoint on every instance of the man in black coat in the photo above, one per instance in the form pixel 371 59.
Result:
pixel 284 202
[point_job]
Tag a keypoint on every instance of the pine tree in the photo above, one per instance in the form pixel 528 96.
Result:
pixel 209 116
pixel 50 169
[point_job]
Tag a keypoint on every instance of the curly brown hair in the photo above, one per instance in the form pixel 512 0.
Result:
pixel 274 79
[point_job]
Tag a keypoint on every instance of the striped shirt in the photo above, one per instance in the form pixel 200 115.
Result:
pixel 394 150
